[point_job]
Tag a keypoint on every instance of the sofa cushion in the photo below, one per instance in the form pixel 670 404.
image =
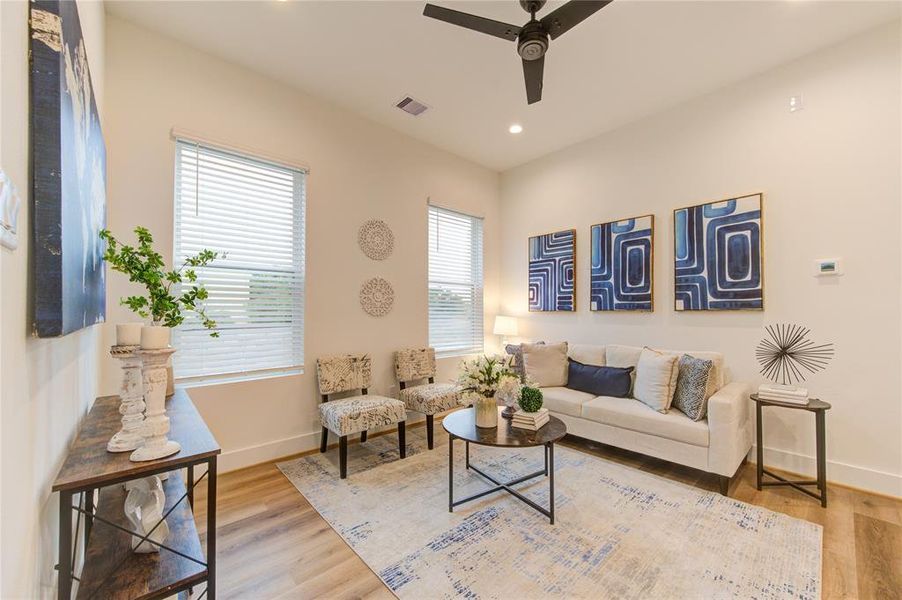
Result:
pixel 564 400
pixel 546 364
pixel 516 351
pixel 627 413
pixel 656 377
pixel 588 354
pixel 599 381
pixel 621 356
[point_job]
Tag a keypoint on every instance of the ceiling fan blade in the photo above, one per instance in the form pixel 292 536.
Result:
pixel 480 24
pixel 532 73
pixel 562 20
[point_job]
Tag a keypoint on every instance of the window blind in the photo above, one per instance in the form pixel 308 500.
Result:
pixel 252 211
pixel 455 283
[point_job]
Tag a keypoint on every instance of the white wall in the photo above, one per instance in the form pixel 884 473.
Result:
pixel 831 179
pixel 47 385
pixel 359 170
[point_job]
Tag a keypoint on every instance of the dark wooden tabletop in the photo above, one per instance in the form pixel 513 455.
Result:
pixel 813 403
pixel 462 424
pixel 89 465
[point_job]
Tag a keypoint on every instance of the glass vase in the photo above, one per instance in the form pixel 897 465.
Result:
pixel 486 412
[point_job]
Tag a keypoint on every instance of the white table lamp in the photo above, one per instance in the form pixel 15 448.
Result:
pixel 505 327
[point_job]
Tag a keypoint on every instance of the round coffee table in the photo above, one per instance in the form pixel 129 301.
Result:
pixel 462 425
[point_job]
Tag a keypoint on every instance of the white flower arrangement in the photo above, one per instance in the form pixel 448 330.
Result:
pixel 488 377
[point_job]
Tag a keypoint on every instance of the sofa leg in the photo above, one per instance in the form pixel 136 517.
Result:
pixel 402 438
pixel 324 440
pixel 343 457
pixel 724 483
pixel 363 436
pixel 429 438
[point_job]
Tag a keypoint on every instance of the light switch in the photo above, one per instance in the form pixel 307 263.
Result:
pixel 9 212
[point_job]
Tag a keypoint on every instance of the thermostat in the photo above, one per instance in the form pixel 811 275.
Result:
pixel 826 267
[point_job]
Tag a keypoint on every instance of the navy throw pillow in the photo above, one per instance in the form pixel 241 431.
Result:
pixel 599 381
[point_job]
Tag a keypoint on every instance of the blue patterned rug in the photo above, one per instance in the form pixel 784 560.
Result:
pixel 619 532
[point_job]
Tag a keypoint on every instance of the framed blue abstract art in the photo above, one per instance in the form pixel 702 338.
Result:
pixel 68 175
pixel 622 269
pixel 718 255
pixel 552 260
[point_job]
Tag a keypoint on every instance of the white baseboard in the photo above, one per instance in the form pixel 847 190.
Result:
pixel 863 478
pixel 239 458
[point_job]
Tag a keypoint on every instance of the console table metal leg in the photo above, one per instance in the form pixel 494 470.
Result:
pixel 546 461
pixel 759 445
pixel 64 586
pixel 89 516
pixel 211 528
pixel 451 473
pixel 820 417
pixel 549 467
pixel 190 478
pixel 467 452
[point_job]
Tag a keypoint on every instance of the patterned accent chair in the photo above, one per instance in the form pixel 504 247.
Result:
pixel 416 364
pixel 357 413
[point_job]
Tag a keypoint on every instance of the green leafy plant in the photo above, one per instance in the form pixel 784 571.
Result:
pixel 530 399
pixel 145 265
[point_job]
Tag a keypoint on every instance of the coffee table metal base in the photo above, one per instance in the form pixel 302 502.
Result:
pixel 507 485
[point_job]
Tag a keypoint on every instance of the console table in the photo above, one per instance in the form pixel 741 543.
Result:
pixel 111 569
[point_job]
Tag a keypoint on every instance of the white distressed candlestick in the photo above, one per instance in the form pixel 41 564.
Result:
pixel 156 423
pixel 131 401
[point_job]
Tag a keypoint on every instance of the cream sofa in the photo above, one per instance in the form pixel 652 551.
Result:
pixel 717 444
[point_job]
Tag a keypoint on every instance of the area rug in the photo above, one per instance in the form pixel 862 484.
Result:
pixel 618 532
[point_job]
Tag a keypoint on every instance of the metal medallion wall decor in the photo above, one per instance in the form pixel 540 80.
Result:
pixel 376 239
pixel 787 352
pixel 377 297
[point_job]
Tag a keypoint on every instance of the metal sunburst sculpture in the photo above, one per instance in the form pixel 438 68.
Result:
pixel 787 352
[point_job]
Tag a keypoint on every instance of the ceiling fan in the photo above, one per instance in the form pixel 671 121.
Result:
pixel 532 38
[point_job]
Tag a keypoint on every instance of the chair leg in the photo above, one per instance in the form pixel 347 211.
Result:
pixel 363 436
pixel 429 439
pixel 402 438
pixel 343 456
pixel 324 440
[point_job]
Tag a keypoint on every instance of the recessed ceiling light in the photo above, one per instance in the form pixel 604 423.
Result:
pixel 515 128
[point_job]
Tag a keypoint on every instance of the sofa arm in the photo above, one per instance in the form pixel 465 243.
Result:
pixel 728 424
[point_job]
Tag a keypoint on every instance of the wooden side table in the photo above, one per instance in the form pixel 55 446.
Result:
pixel 819 408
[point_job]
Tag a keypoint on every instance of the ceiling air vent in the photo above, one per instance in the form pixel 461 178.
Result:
pixel 411 106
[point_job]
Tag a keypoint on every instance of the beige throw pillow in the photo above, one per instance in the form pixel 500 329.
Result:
pixel 546 364
pixel 656 377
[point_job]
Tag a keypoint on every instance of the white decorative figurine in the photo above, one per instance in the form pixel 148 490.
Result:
pixel 131 401
pixel 156 423
pixel 144 509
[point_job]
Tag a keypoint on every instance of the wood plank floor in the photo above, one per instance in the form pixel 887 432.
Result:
pixel 273 544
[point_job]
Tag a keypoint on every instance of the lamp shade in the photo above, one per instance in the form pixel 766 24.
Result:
pixel 505 326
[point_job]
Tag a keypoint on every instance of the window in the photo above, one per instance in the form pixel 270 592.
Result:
pixel 455 282
pixel 251 210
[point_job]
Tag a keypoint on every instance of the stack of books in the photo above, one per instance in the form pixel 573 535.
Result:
pixel 783 393
pixel 531 421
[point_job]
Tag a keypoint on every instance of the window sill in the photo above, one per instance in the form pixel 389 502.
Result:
pixel 461 354
pixel 192 382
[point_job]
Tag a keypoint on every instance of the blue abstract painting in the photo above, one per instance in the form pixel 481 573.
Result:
pixel 551 271
pixel 718 262
pixel 621 276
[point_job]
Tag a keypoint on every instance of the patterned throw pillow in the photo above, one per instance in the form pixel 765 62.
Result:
pixel 516 350
pixel 690 388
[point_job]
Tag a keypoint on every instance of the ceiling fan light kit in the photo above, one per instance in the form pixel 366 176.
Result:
pixel 532 38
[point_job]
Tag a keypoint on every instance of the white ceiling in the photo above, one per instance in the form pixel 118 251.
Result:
pixel 631 59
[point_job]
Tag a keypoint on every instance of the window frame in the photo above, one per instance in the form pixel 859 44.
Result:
pixel 298 254
pixel 477 266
